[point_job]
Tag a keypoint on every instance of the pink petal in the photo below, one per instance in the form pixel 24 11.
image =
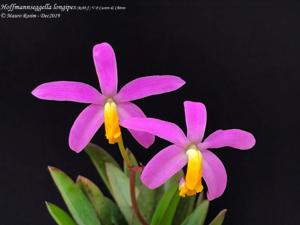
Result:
pixel 214 174
pixel 234 138
pixel 165 130
pixel 147 86
pixel 106 67
pixel 68 91
pixel 163 166
pixel 127 110
pixel 195 118
pixel 85 126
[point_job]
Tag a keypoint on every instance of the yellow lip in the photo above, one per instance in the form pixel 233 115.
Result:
pixel 193 179
pixel 111 122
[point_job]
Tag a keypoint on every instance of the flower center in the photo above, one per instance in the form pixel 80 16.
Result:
pixel 111 122
pixel 192 183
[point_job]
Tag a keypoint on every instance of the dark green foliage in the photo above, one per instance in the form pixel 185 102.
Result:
pixel 88 205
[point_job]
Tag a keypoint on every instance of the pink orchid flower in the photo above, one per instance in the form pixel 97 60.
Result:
pixel 191 150
pixel 110 107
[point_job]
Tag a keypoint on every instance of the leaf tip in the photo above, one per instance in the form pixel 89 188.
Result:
pixel 223 211
pixel 89 147
pixel 49 205
pixel 52 168
pixel 80 179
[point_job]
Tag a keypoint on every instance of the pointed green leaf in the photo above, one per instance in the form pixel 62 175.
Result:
pixel 198 216
pixel 184 209
pixel 174 180
pixel 78 205
pixel 99 157
pixel 166 207
pixel 148 199
pixel 218 220
pixel 169 215
pixel 108 213
pixel 200 198
pixel 120 190
pixel 59 215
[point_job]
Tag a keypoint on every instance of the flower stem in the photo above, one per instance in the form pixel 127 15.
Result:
pixel 123 152
pixel 133 170
pixel 135 207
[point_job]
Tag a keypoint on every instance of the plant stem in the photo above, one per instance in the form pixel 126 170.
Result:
pixel 124 153
pixel 133 171
pixel 135 207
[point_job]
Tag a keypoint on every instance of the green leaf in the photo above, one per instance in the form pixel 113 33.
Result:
pixel 148 199
pixel 120 190
pixel 108 213
pixel 168 217
pixel 200 199
pixel 99 157
pixel 166 208
pixel 184 209
pixel 198 216
pixel 174 180
pixel 218 220
pixel 78 205
pixel 59 215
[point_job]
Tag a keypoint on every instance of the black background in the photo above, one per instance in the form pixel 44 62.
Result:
pixel 240 59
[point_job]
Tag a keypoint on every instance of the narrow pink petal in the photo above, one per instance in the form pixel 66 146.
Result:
pixel 85 126
pixel 234 138
pixel 165 130
pixel 214 174
pixel 163 166
pixel 106 68
pixel 147 86
pixel 195 118
pixel 68 91
pixel 127 110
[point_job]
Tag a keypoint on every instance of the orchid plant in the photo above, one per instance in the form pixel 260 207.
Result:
pixel 153 194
